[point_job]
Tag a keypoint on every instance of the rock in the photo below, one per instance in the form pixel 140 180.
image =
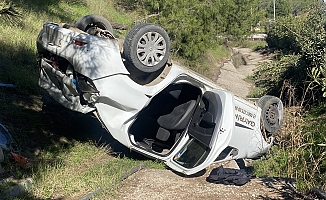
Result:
pixel 22 187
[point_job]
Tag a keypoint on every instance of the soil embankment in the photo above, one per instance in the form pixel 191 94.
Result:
pixel 232 77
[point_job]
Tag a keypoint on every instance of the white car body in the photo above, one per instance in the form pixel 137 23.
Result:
pixel 120 103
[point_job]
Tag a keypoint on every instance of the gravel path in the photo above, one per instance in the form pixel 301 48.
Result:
pixel 233 79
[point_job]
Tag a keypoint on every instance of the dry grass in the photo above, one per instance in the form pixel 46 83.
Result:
pixel 299 152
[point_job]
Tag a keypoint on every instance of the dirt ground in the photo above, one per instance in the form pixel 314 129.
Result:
pixel 164 184
pixel 233 78
pixel 155 184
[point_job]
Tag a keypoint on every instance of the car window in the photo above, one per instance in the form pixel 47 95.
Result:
pixel 192 154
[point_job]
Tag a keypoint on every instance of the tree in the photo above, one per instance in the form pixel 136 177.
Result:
pixel 286 7
pixel 282 8
pixel 299 7
pixel 239 16
pixel 195 25
pixel 303 59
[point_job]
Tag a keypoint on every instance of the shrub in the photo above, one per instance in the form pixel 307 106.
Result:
pixel 300 150
pixel 301 60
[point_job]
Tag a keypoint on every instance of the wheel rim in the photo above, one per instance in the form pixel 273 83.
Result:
pixel 91 28
pixel 151 48
pixel 272 115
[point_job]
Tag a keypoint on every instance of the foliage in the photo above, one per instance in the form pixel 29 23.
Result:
pixel 301 7
pixel 187 27
pixel 298 76
pixel 282 7
pixel 285 7
pixel 281 37
pixel 200 24
pixel 9 13
pixel 301 60
pixel 280 76
pixel 300 153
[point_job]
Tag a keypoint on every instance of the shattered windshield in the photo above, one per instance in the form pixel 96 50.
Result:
pixel 192 154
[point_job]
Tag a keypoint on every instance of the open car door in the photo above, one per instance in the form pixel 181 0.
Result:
pixel 208 134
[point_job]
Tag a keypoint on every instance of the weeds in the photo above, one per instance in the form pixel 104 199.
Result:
pixel 66 158
pixel 297 76
pixel 209 65
pixel 82 169
pixel 300 149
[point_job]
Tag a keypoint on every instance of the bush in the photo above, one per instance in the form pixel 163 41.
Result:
pixel 301 60
pixel 300 152
pixel 195 26
pixel 298 76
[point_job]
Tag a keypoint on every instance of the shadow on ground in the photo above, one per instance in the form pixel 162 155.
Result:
pixel 82 127
pixel 40 124
pixel 283 187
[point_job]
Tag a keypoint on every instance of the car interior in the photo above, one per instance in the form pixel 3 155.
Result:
pixel 161 123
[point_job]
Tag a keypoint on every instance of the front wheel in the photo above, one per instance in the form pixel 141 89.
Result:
pixel 272 113
pixel 147 47
pixel 90 23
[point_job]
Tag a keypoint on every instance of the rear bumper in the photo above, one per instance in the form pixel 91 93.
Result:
pixel 52 80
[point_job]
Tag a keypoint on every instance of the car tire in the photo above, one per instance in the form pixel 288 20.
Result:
pixel 148 54
pixel 272 113
pixel 91 22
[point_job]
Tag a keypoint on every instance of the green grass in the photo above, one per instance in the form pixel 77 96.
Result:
pixel 82 169
pixel 75 170
pixel 17 42
pixel 209 64
pixel 251 44
pixel 220 53
pixel 254 92
pixel 67 160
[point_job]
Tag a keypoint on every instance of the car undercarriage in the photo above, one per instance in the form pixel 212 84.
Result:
pixel 148 103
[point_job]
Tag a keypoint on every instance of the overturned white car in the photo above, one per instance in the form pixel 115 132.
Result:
pixel 151 106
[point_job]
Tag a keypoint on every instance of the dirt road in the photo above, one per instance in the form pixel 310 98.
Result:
pixel 151 184
pixel 233 78
pixel 164 184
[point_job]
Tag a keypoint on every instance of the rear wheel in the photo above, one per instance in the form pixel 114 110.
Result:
pixel 90 23
pixel 272 113
pixel 147 47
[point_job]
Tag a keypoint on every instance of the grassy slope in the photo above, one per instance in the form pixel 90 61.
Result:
pixel 67 159
pixel 65 147
pixel 300 150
